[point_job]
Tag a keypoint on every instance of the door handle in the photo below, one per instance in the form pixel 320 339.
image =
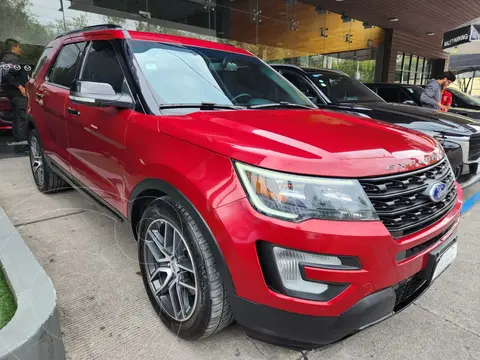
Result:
pixel 39 96
pixel 73 111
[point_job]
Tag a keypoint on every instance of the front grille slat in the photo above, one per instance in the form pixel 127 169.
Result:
pixel 474 150
pixel 397 193
pixel 401 202
pixel 408 290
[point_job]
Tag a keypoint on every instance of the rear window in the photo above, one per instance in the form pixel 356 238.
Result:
pixel 46 52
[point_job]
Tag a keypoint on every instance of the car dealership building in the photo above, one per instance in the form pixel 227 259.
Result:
pixel 374 40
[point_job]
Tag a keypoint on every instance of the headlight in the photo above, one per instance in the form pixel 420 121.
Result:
pixel 297 198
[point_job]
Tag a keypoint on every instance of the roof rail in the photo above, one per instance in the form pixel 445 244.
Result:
pixel 88 28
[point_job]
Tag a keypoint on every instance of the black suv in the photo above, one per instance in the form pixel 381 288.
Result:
pixel 410 95
pixel 334 90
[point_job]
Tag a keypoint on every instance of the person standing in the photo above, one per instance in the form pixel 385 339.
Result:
pixel 447 99
pixel 14 87
pixel 432 95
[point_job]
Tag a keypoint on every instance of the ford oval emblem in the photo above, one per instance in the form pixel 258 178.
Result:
pixel 438 191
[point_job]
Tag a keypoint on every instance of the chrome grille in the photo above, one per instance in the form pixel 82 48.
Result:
pixel 474 150
pixel 400 199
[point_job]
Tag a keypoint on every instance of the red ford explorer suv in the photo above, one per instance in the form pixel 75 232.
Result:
pixel 248 202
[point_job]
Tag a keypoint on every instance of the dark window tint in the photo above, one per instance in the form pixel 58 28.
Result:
pixel 101 65
pixel 463 98
pixel 65 68
pixel 340 88
pixel 416 92
pixel 403 96
pixel 300 83
pixel 46 52
pixel 389 94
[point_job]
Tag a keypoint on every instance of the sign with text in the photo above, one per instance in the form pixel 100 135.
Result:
pixel 460 36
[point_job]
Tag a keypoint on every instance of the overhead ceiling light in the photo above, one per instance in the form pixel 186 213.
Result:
pixel 338 0
pixel 393 19
pixel 431 33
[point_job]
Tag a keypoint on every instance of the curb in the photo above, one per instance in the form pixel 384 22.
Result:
pixel 34 331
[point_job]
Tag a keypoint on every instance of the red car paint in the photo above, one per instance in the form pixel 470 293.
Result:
pixel 111 151
pixel 5 107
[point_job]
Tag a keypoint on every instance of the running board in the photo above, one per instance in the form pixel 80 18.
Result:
pixel 83 190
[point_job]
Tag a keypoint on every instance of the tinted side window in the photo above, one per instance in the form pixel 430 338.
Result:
pixel 403 96
pixel 41 60
pixel 389 94
pixel 65 68
pixel 299 82
pixel 101 65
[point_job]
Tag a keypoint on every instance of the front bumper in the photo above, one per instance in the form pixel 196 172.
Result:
pixel 464 142
pixel 307 332
pixel 454 154
pixel 370 296
pixel 300 331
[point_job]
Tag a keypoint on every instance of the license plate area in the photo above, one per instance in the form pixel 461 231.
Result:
pixel 441 258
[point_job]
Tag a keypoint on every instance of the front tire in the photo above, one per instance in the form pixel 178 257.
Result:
pixel 179 272
pixel 45 179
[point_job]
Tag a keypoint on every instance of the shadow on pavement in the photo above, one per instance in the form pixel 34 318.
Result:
pixel 6 150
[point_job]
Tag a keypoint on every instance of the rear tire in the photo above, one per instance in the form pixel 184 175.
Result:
pixel 45 179
pixel 205 310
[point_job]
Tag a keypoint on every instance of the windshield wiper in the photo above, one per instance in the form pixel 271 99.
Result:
pixel 281 104
pixel 201 106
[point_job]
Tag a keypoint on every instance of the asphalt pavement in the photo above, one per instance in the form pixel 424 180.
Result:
pixel 105 312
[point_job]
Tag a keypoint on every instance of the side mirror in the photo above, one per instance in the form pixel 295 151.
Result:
pixel 99 95
pixel 409 102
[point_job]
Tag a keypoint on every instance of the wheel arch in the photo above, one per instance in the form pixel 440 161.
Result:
pixel 149 189
pixel 30 123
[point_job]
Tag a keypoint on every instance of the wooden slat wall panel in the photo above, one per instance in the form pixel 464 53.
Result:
pixel 409 43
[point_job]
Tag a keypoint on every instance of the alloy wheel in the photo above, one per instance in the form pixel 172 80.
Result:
pixel 170 270
pixel 36 161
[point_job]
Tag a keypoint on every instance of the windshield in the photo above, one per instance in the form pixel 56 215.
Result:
pixel 341 88
pixel 470 100
pixel 179 74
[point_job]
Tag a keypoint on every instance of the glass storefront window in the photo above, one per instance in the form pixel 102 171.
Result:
pixel 406 62
pixel 412 69
pixel 399 62
pixel 274 30
pixel 398 76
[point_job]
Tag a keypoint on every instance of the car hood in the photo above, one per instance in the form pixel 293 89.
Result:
pixel 419 118
pixel 311 142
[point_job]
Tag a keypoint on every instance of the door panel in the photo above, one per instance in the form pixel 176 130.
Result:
pixel 97 146
pixel 96 135
pixel 52 96
pixel 52 100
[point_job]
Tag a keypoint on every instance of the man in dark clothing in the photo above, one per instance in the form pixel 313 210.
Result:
pixel 13 84
pixel 432 95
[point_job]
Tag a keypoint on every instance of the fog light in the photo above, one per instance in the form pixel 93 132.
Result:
pixel 289 262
